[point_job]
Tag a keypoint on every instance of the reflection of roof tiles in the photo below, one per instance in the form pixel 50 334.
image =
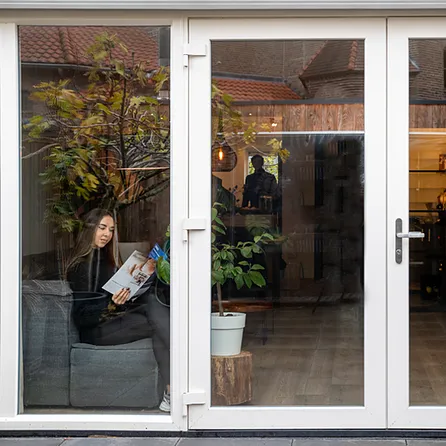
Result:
pixel 340 56
pixel 255 90
pixel 336 56
pixel 68 44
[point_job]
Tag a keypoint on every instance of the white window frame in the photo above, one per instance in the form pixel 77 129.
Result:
pixel 10 254
pixel 227 4
pixel 401 414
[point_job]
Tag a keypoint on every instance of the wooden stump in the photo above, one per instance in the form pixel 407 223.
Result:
pixel 231 379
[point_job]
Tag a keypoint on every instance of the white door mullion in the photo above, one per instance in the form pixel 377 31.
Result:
pixel 398 207
pixel 9 221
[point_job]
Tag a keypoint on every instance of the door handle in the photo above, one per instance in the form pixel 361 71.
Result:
pixel 193 224
pixel 414 234
pixel 399 235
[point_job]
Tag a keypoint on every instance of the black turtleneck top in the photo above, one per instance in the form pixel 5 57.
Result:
pixel 86 280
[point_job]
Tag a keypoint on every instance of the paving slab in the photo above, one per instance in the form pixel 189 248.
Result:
pixel 429 442
pixel 114 441
pixel 348 442
pixel 235 442
pixel 31 441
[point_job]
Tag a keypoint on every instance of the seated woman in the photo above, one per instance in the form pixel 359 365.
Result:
pixel 111 319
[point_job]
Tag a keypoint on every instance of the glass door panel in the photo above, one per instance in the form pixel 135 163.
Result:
pixel 287 242
pixel 282 131
pixel 95 193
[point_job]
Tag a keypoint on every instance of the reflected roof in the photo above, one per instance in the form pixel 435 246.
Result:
pixel 67 45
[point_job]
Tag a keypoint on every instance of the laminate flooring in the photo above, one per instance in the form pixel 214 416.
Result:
pixel 428 359
pixel 318 359
pixel 309 359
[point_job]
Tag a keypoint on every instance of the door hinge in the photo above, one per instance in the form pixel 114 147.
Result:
pixel 193 398
pixel 193 49
pixel 193 224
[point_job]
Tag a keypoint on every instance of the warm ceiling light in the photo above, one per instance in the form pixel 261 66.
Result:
pixel 220 154
pixel 442 198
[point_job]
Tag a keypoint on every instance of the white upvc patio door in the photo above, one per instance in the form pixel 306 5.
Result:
pixel 416 290
pixel 315 88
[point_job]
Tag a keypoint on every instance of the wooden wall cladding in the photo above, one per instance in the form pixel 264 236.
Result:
pixel 429 116
pixel 332 117
pixel 325 117
pixel 307 117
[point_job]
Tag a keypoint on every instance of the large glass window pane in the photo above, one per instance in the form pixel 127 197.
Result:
pixel 95 202
pixel 427 200
pixel 287 243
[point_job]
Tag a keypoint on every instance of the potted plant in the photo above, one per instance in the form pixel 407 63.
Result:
pixel 230 262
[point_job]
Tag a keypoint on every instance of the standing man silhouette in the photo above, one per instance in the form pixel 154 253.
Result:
pixel 258 184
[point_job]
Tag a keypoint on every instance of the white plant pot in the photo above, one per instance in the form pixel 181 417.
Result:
pixel 227 333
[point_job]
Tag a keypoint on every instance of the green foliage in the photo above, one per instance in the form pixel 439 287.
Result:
pixel 163 270
pixel 108 142
pixel 231 262
pixel 228 120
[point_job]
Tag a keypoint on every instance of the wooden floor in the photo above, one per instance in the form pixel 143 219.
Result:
pixel 318 359
pixel 310 359
pixel 428 359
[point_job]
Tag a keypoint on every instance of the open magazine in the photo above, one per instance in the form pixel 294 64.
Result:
pixel 134 273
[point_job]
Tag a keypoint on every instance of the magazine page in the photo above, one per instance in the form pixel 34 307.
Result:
pixel 133 274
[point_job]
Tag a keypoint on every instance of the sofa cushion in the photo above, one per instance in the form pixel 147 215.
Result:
pixel 114 376
pixel 48 333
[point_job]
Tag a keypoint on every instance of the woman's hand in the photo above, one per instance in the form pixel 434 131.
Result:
pixel 121 296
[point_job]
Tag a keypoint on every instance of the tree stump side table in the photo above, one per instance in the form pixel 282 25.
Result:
pixel 231 379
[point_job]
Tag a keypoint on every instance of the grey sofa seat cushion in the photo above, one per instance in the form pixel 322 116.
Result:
pixel 48 333
pixel 114 376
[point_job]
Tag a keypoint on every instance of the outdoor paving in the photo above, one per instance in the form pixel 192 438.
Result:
pixel 113 441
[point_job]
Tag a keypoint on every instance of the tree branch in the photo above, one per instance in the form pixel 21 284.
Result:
pixel 37 152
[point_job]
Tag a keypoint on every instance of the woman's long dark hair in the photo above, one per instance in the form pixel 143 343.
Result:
pixel 85 240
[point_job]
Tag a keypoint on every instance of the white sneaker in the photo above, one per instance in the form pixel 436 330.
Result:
pixel 165 403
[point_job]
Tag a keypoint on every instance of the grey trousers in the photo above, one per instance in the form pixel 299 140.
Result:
pixel 145 318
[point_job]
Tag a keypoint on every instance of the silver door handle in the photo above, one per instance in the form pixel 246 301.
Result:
pixel 399 235
pixel 414 234
pixel 193 224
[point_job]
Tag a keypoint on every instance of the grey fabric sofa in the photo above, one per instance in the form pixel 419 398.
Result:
pixel 58 370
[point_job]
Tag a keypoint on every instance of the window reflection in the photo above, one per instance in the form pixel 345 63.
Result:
pixel 427 292
pixel 287 208
pixel 95 217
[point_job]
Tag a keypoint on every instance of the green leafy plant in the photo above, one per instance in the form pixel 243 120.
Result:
pixel 162 264
pixel 234 262
pixel 108 140
pixel 229 262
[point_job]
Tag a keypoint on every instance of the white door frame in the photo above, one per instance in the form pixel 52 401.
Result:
pixel 10 254
pixel 401 414
pixel 373 414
